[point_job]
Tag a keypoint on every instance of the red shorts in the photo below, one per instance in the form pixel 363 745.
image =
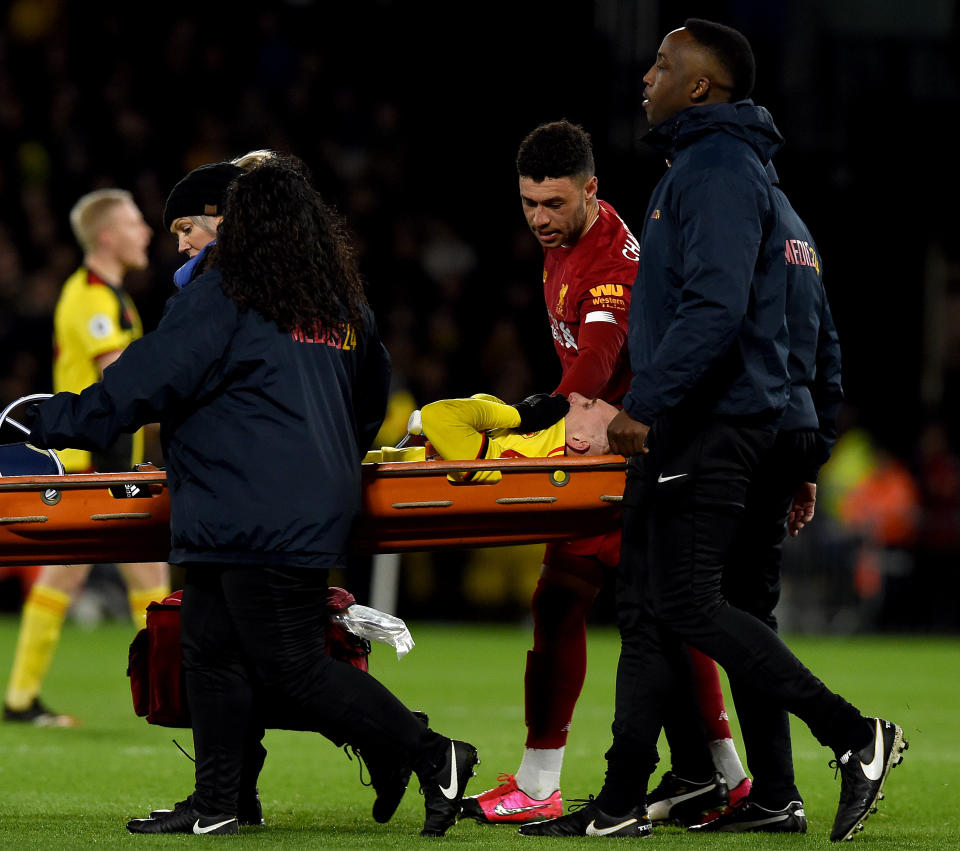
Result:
pixel 603 548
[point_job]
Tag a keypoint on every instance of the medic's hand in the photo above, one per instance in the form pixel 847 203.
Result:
pixel 627 436
pixel 804 504
pixel 541 411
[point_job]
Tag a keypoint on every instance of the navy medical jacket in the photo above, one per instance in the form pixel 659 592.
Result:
pixel 816 392
pixel 262 430
pixel 707 322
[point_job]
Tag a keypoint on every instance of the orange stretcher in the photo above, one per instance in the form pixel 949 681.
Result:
pixel 58 518
pixel 407 506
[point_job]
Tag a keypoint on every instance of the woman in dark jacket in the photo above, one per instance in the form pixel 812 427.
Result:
pixel 270 381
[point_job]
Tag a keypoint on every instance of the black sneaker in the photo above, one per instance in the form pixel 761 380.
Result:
pixel 749 817
pixel 443 789
pixel 862 775
pixel 176 808
pixel 186 820
pixel 38 715
pixel 587 819
pixel 388 779
pixel 683 802
pixel 249 809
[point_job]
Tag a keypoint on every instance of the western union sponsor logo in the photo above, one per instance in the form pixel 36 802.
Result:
pixel 607 289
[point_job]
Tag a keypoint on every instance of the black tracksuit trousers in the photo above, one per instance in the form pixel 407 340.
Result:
pixel 683 508
pixel 253 642
pixel 751 581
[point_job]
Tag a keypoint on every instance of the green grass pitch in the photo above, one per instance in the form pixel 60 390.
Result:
pixel 76 788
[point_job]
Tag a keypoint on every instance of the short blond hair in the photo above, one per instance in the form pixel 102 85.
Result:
pixel 90 214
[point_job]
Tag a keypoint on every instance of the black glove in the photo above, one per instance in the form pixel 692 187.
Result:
pixel 31 416
pixel 541 411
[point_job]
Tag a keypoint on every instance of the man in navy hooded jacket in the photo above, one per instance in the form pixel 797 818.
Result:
pixel 709 350
pixel 782 498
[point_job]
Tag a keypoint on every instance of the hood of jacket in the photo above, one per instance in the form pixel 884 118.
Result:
pixel 743 120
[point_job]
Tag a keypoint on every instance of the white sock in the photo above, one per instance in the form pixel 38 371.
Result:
pixel 539 772
pixel 727 761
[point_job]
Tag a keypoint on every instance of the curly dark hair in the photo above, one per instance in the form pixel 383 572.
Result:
pixel 556 149
pixel 286 254
pixel 731 49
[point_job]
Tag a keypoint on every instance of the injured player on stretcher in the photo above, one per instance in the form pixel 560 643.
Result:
pixel 484 427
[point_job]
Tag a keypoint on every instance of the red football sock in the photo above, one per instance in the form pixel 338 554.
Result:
pixel 557 665
pixel 709 695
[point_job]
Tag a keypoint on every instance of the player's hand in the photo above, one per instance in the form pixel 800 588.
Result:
pixel 801 512
pixel 541 411
pixel 627 436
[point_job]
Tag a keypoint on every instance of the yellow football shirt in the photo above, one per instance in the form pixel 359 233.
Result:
pixel 91 319
pixel 485 427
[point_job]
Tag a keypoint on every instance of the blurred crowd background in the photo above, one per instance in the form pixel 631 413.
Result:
pixel 410 114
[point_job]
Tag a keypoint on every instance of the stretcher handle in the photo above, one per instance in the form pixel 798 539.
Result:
pixel 81 481
pixel 504 465
pixel 5 417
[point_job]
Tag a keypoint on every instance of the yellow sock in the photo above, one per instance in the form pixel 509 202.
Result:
pixel 41 623
pixel 139 600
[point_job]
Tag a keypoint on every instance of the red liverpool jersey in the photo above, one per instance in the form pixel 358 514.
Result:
pixel 587 292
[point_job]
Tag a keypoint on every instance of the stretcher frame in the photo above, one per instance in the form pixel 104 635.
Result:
pixel 406 506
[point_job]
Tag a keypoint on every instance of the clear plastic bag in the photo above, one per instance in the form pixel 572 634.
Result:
pixel 376 626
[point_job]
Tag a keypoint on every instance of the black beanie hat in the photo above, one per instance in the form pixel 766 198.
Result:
pixel 201 192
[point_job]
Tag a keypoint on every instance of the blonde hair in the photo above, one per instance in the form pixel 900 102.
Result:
pixel 252 159
pixel 205 223
pixel 91 213
pixel 247 162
